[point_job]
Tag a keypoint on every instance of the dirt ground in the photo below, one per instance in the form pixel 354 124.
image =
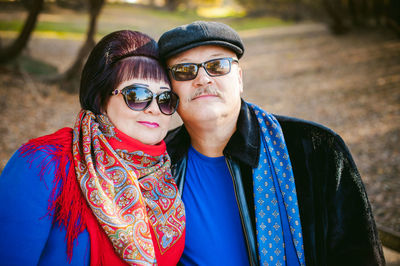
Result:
pixel 349 83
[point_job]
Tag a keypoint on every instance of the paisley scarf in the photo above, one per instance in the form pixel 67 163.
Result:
pixel 129 190
pixel 273 181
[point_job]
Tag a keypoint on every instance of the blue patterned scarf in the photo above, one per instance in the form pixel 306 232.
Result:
pixel 274 175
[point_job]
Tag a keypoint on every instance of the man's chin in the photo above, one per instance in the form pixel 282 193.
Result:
pixel 204 114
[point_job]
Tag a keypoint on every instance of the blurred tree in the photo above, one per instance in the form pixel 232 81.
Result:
pixel 335 10
pixel 286 9
pixel 69 80
pixel 172 4
pixel 77 5
pixel 344 15
pixel 378 11
pixel 254 7
pixel 15 48
pixel 27 4
pixel 152 3
pixel 393 15
pixel 340 15
pixel 192 4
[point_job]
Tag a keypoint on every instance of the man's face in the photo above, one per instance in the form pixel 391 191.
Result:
pixel 207 98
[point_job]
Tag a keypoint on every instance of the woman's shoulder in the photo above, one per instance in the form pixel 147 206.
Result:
pixel 60 140
pixel 29 185
pixel 40 155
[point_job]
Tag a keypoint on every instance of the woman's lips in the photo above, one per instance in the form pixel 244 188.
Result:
pixel 149 124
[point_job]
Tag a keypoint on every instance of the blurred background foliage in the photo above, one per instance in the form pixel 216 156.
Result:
pixel 341 16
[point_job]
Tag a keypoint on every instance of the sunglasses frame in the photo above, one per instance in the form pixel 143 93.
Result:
pixel 230 60
pixel 127 89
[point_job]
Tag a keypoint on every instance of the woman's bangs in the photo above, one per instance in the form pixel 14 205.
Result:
pixel 141 68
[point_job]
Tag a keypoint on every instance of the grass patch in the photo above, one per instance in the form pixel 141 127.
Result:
pixel 61 27
pixel 66 27
pixel 36 67
pixel 33 66
pixel 151 12
pixel 11 25
pixel 247 23
pixel 135 17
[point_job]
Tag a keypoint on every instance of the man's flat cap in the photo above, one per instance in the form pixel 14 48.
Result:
pixel 196 34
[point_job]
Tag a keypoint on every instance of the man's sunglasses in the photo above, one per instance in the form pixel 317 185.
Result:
pixel 214 67
pixel 138 97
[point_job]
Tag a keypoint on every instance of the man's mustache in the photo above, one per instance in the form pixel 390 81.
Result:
pixel 204 91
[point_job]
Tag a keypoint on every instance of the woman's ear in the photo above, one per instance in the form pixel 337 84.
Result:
pixel 103 107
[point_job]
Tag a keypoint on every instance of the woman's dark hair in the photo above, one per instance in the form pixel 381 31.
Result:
pixel 119 56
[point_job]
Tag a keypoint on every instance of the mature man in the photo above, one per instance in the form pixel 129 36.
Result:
pixel 259 189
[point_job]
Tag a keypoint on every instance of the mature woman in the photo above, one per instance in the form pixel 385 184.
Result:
pixel 100 193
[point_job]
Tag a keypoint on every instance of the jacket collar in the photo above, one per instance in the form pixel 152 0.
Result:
pixel 244 145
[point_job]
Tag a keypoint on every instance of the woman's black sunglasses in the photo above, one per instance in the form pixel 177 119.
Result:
pixel 214 68
pixel 138 97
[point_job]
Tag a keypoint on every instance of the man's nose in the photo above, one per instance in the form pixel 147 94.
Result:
pixel 202 77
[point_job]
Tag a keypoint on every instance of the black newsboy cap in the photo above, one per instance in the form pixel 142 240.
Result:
pixel 196 34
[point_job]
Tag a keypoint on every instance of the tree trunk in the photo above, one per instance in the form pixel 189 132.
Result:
pixel 15 48
pixel 297 15
pixel 365 12
pixel 172 4
pixel 334 12
pixel 393 15
pixel 354 12
pixel 377 10
pixel 69 80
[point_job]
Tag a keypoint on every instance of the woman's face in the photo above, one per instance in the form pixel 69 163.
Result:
pixel 149 126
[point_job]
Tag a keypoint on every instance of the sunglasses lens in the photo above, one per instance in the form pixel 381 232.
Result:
pixel 168 102
pixel 218 67
pixel 215 67
pixel 184 72
pixel 138 98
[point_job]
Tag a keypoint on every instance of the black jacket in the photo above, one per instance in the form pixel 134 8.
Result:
pixel 337 223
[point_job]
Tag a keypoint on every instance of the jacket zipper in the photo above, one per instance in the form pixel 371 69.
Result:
pixel 240 212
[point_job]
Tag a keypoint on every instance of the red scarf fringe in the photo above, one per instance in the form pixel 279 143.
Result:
pixel 66 201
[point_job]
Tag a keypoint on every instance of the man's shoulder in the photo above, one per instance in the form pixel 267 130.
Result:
pixel 296 129
pixel 297 126
pixel 304 126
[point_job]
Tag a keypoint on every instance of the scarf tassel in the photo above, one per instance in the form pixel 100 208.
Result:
pixel 66 202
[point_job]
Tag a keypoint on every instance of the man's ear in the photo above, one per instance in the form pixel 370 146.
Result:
pixel 240 78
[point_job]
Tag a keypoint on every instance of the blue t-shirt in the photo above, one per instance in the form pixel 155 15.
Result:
pixel 214 234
